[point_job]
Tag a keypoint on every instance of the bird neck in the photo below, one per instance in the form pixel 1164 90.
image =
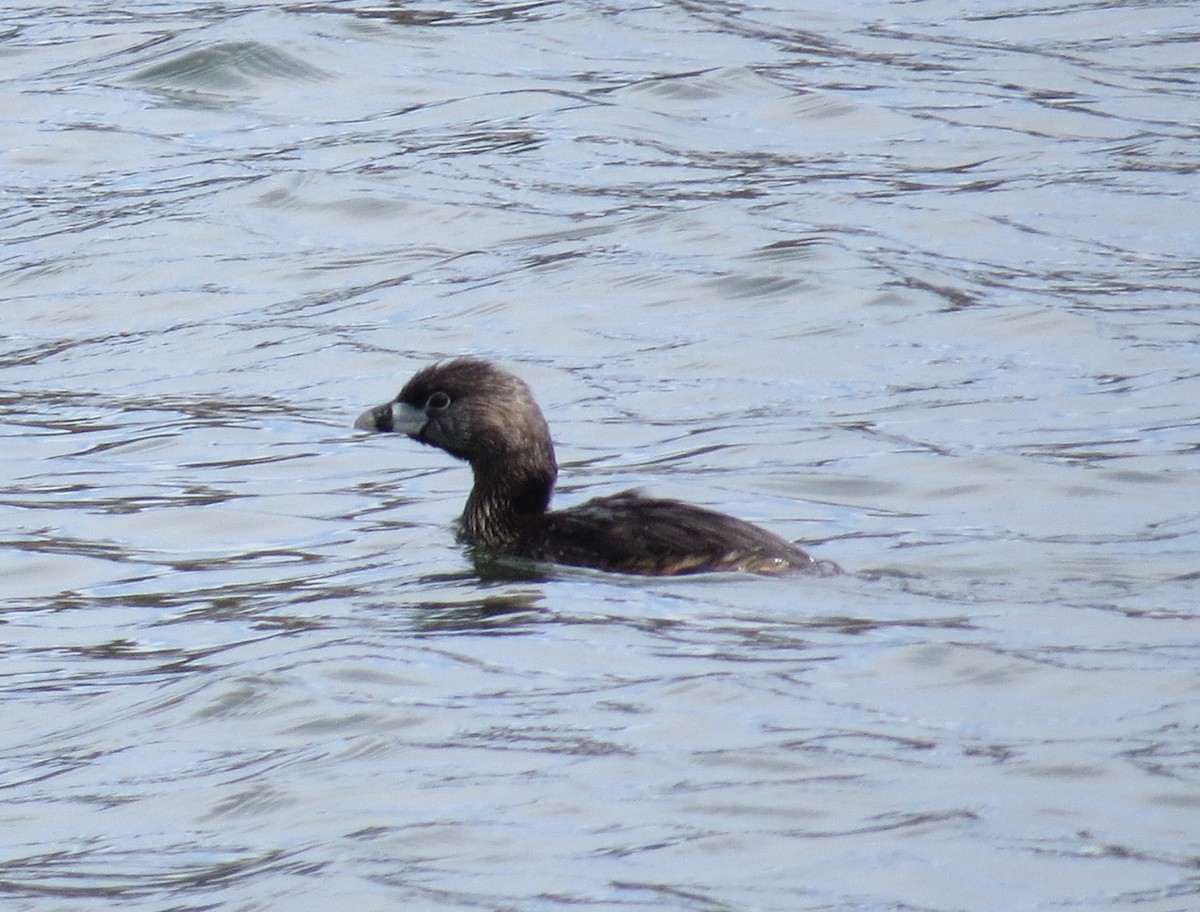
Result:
pixel 504 502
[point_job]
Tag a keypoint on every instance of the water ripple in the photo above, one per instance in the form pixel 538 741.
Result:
pixel 912 283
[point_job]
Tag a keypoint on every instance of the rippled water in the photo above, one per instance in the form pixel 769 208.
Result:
pixel 915 283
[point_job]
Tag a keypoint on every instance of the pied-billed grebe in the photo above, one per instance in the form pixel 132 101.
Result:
pixel 485 415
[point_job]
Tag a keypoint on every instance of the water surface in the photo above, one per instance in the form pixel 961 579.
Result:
pixel 915 284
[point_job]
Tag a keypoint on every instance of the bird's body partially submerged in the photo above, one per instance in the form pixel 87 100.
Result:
pixel 488 417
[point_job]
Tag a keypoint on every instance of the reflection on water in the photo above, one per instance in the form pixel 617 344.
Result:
pixel 913 284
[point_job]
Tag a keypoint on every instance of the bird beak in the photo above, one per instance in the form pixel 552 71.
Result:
pixel 376 419
pixel 392 416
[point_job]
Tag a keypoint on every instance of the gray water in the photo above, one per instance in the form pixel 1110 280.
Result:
pixel 913 283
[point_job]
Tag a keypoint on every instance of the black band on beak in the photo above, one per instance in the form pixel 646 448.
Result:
pixel 376 419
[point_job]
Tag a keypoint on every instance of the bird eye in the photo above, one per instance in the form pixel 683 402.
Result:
pixel 437 402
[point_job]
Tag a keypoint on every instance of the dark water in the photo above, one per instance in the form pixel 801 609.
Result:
pixel 915 283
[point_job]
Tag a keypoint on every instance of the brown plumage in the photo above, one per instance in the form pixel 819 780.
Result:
pixel 477 412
